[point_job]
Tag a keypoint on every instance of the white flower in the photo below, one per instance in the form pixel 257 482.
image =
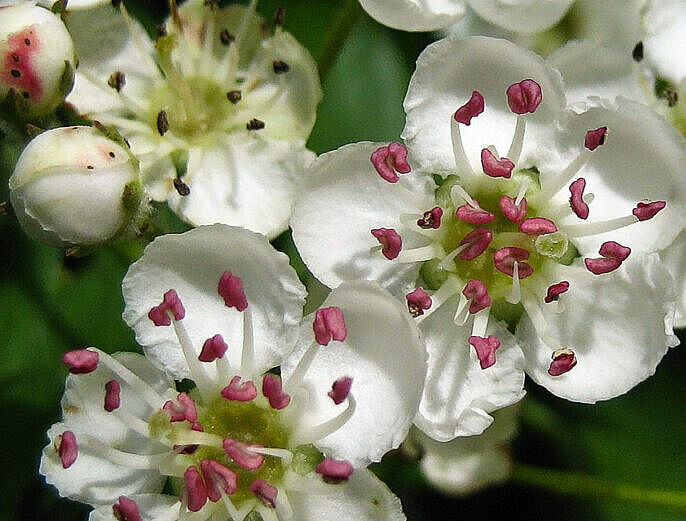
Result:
pixel 522 16
pixel 216 109
pixel 242 439
pixel 517 236
pixel 75 186
pixel 37 56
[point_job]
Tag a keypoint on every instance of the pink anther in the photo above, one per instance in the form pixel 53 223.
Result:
pixel 495 167
pixel 431 218
pixel 67 449
pixel 390 241
pixel 478 240
pixel 537 226
pixel 195 492
pixel 171 303
pixel 418 301
pixel 230 288
pixel 474 214
pixel 471 109
pixel 390 160
pixel 563 361
pixel 505 259
pixel 340 389
pixel 579 206
pixel 218 479
pixel 524 97
pixel 334 471
pixel 242 455
pixel 595 138
pixel 555 291
pixel 126 509
pixel 273 391
pixel 81 361
pixel 329 324
pixel 513 212
pixel 476 292
pixel 648 210
pixel 264 492
pixel 612 253
pixel 239 391
pixel 485 349
pixel 112 395
pixel 183 409
pixel 212 349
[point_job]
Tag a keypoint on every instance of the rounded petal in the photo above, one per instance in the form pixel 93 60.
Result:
pixel 92 478
pixel 150 507
pixel 192 264
pixel 363 498
pixel 618 325
pixel 522 16
pixel 415 15
pixel 385 358
pixel 344 200
pixel 665 39
pixel 459 395
pixel 673 259
pixel 448 71
pixel 250 183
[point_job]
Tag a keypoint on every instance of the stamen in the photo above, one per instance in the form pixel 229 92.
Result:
pixel 317 432
pixel 67 448
pixel 81 361
pixel 334 471
pixel 171 305
pixel 515 294
pixel 523 187
pixel 126 509
pixel 242 455
pixel 390 241
pixel 450 257
pixel 554 291
pixel 513 210
pixel 212 349
pixel 563 361
pixel 285 455
pixel 340 389
pixel 474 214
pixel 423 253
pixel 494 167
pixel 248 350
pixel 230 288
pixel 124 459
pixel 219 479
pixel 417 301
pixel 648 210
pixel 613 254
pixel 431 218
pixel 595 138
pixel 112 395
pixel 579 206
pixel 476 292
pixel 389 160
pixel 517 143
pixel 524 97
pixel 476 241
pixel 195 493
pixel 181 410
pixel 471 109
pixel 485 349
pixel 272 390
pixel 505 259
pixel 537 226
pixel 329 324
pixel 239 391
pixel 264 492
pixel 206 385
pixel 462 164
pixel 586 229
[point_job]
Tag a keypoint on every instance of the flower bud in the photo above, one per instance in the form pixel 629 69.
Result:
pixel 37 53
pixel 74 186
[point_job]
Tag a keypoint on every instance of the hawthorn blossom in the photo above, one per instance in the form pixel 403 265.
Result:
pixel 547 221
pixel 218 307
pixel 217 108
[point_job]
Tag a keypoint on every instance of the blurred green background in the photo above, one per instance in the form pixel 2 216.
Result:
pixel 52 304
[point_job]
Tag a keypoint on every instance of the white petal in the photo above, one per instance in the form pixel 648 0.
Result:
pixel 459 395
pixel 384 356
pixel 362 498
pixel 674 259
pixel 192 263
pixel 345 199
pixel 642 158
pixel 523 16
pixel 665 40
pixel 92 478
pixel 150 507
pixel 612 22
pixel 415 15
pixel 249 182
pixel 447 73
pixel 619 326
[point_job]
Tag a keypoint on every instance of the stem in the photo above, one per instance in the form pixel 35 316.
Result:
pixel 338 34
pixel 575 484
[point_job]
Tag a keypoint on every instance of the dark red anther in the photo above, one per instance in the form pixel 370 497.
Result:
pixel 212 349
pixel 81 361
pixel 431 219
pixel 194 491
pixel 595 138
pixel 478 240
pixel 474 214
pixel 171 303
pixel 513 212
pixel 576 201
pixel 476 292
pixel 264 492
pixel 612 253
pixel 390 241
pixel 242 455
pixel 183 409
pixel 495 167
pixel 239 391
pixel 563 361
pixel 418 301
pixel 112 395
pixel 67 449
pixel 505 259
pixel 648 210
pixel 126 509
pixel 334 471
pixel 273 391
pixel 340 390
pixel 329 324
pixel 218 479
pixel 524 97
pixel 471 109
pixel 537 226
pixel 230 288
pixel 390 160
pixel 485 349
pixel 555 291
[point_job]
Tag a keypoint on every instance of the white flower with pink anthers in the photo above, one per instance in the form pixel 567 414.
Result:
pixel 508 206
pixel 217 305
